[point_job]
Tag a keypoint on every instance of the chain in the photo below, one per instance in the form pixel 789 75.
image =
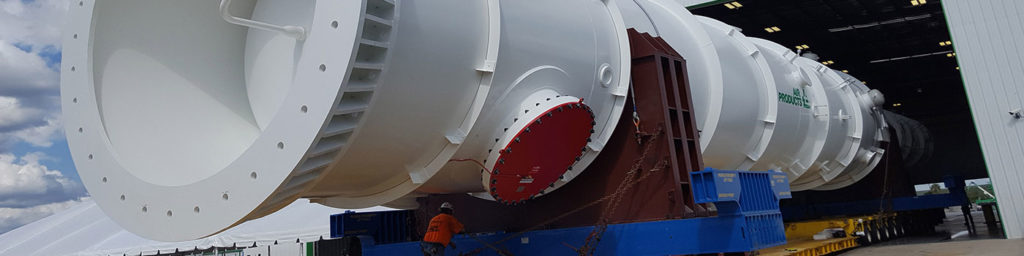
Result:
pixel 590 244
pixel 625 185
pixel 636 115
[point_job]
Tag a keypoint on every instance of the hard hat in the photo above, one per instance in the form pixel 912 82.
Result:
pixel 446 205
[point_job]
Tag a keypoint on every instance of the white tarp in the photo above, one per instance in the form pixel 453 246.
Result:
pixel 84 229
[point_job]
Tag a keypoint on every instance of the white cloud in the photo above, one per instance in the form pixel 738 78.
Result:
pixel 29 99
pixel 35 126
pixel 35 23
pixel 11 218
pixel 15 115
pixel 42 135
pixel 24 182
pixel 25 73
pixel 30 34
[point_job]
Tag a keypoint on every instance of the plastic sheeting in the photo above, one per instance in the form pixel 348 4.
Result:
pixel 84 229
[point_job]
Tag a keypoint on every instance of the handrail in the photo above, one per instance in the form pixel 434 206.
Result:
pixel 297 32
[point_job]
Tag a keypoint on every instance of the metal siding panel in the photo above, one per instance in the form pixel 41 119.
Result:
pixel 1008 93
pixel 985 35
pixel 995 96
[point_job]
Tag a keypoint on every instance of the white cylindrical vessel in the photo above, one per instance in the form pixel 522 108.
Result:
pixel 529 68
pixel 186 118
pixel 844 132
pixel 182 124
pixel 682 30
pixel 803 113
pixel 746 124
pixel 915 142
pixel 875 133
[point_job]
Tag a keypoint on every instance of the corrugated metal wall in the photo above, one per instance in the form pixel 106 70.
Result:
pixel 989 39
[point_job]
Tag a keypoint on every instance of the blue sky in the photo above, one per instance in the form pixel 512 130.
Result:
pixel 60 155
pixel 37 175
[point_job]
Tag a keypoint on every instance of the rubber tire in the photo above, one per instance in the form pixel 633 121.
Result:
pixel 876 236
pixel 886 230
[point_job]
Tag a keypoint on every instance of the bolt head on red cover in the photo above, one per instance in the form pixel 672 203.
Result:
pixel 541 152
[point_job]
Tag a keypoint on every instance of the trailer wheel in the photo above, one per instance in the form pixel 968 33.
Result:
pixel 876 231
pixel 862 235
pixel 895 226
pixel 863 240
pixel 883 230
pixel 874 236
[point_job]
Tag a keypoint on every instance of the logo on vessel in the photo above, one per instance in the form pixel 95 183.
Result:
pixel 797 98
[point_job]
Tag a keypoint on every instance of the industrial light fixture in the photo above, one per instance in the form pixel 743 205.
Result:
pixel 918 2
pixel 946 43
pixel 883 22
pixel 846 71
pixel 733 5
pixel 952 54
pixel 828 62
pixel 897 104
pixel 911 56
pixel 772 29
pixel 802 47
pixel 957 68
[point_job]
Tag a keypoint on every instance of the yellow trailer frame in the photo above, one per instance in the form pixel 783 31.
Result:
pixel 858 231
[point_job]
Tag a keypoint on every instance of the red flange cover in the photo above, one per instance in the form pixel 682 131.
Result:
pixel 541 152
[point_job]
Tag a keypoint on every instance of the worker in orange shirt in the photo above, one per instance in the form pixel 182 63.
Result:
pixel 440 231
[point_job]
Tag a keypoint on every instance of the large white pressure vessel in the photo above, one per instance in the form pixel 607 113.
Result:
pixel 875 133
pixel 188 117
pixel 803 114
pixel 914 139
pixel 747 123
pixel 844 131
pixel 819 126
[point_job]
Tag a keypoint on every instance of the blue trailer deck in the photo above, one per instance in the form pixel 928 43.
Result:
pixel 748 219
